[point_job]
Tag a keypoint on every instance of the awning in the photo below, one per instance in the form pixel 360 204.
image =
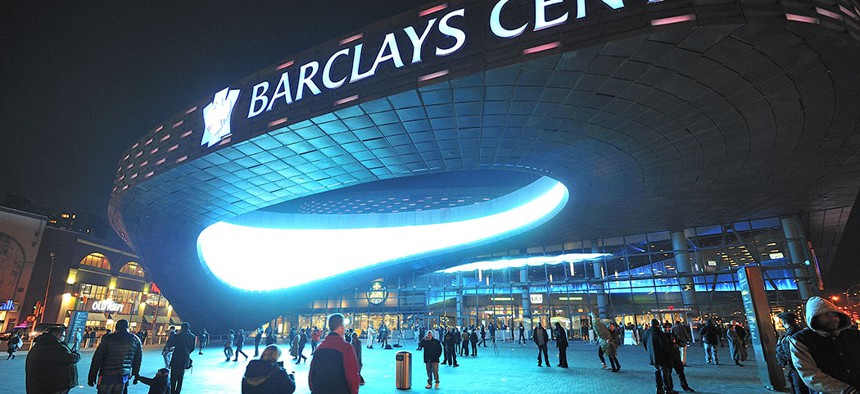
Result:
pixel 160 320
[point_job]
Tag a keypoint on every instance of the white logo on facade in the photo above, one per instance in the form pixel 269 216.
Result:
pixel 216 116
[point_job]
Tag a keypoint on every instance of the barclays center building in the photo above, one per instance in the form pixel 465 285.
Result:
pixel 511 161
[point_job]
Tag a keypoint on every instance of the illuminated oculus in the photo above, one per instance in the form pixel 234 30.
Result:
pixel 278 251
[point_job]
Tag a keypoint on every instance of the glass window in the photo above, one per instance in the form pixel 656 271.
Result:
pixel 94 291
pixel 132 268
pixel 97 260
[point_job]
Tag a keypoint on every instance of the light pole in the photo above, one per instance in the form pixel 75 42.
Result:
pixel 47 289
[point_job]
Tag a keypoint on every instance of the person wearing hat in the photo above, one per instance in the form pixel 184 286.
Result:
pixel 826 355
pixel 783 351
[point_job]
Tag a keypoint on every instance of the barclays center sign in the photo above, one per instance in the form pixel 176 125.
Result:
pixel 439 32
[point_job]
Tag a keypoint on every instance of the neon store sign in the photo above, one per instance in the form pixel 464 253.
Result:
pixel 106 306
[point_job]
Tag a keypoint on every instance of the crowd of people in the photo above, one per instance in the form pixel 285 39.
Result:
pixel 821 358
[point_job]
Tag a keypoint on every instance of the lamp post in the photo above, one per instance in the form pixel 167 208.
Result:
pixel 47 289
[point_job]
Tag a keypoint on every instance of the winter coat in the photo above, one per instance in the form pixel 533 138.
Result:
pixel 238 340
pixel 827 361
pixel 560 337
pixel 659 347
pixel 682 332
pixel 183 345
pixel 51 366
pixel 432 350
pixel 266 377
pixel 118 354
pixel 334 367
pixel 710 334
pixel 606 339
pixel 540 336
pixel 158 384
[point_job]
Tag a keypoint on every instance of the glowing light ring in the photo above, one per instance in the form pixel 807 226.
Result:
pixel 266 257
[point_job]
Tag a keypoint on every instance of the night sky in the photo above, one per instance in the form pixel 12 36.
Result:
pixel 81 81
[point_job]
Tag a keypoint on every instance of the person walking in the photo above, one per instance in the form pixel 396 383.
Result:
pixel 607 339
pixel 228 345
pixel 735 344
pixel 783 352
pixel 182 344
pixel 540 337
pixel 115 361
pixel 334 368
pixel 356 345
pixel 13 344
pixel 711 339
pixel 51 366
pixel 238 342
pixel 677 363
pixel 483 336
pixel 682 332
pixel 202 341
pixel 522 334
pixel 742 335
pixel 258 337
pixel 659 350
pixel 315 339
pixel 303 341
pixel 561 344
pixel 826 354
pixel 266 376
pixel 432 351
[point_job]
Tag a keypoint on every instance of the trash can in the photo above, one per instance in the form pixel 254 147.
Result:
pixel 403 366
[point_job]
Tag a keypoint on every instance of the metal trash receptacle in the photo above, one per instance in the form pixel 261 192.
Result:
pixel 403 366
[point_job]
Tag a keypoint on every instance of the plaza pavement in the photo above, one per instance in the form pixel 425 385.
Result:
pixel 514 369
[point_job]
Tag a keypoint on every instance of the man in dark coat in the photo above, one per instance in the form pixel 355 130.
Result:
pixel 561 344
pixel 432 351
pixel 677 362
pixel 660 355
pixel 116 360
pixel 451 339
pixel 711 338
pixel 541 338
pixel 51 366
pixel 182 344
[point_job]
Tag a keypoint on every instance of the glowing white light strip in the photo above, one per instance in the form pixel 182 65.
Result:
pixel 526 261
pixel 264 259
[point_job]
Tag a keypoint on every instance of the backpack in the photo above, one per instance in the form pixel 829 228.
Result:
pixel 783 351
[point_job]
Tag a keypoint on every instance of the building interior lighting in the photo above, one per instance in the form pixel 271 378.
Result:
pixel 535 261
pixel 296 250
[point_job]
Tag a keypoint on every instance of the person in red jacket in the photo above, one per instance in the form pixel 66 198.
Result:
pixel 334 368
